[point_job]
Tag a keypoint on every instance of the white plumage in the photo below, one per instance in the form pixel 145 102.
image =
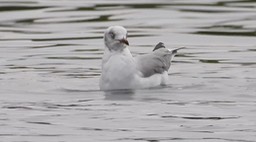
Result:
pixel 120 70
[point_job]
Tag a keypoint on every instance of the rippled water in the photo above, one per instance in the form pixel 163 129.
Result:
pixel 50 56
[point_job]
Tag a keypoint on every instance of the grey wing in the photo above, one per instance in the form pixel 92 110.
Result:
pixel 156 62
pixel 151 64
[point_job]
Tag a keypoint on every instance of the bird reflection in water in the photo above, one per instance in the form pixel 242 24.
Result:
pixel 126 94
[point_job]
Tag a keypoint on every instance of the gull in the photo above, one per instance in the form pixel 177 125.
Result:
pixel 120 70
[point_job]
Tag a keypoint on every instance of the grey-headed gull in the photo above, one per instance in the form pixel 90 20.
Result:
pixel 120 70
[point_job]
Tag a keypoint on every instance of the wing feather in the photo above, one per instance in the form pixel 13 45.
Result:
pixel 156 62
pixel 150 64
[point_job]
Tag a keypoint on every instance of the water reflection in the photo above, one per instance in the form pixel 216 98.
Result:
pixel 119 95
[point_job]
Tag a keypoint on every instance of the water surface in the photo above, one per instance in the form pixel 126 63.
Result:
pixel 50 58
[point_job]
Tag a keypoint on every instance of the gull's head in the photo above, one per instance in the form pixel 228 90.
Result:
pixel 115 38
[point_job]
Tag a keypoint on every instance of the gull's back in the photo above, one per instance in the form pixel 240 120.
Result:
pixel 156 62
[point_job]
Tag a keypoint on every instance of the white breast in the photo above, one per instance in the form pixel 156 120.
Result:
pixel 118 71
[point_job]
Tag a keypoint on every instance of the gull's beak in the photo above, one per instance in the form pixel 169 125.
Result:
pixel 125 41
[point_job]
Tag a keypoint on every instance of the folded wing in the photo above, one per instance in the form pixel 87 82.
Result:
pixel 156 62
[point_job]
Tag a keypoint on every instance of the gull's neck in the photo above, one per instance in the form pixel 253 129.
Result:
pixel 108 53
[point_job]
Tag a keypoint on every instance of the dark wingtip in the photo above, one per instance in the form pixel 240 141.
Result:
pixel 158 46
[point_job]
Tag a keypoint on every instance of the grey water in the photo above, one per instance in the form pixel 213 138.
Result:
pixel 50 64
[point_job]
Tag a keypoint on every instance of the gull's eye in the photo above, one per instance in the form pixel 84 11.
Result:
pixel 112 35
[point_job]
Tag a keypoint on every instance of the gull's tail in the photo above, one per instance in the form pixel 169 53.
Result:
pixel 174 51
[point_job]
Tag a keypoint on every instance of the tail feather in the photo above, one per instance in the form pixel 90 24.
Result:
pixel 161 45
pixel 174 51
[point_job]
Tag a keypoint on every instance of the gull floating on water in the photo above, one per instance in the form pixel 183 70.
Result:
pixel 120 70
